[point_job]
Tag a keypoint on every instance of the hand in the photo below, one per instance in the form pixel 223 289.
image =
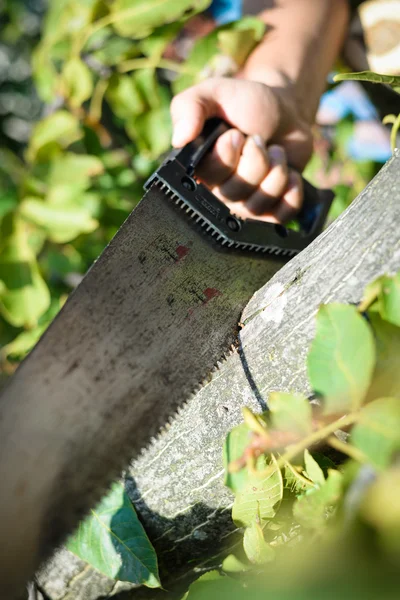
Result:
pixel 252 179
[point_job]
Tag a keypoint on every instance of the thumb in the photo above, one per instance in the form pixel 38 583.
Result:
pixel 246 105
pixel 189 111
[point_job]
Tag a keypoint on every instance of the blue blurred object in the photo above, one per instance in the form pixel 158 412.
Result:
pixel 348 98
pixel 370 139
pixel 225 11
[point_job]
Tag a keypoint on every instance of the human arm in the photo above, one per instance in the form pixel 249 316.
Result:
pixel 275 97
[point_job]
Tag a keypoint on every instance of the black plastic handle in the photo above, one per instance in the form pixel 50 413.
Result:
pixel 176 178
pixel 316 203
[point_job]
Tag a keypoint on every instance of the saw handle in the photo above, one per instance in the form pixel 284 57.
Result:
pixel 316 202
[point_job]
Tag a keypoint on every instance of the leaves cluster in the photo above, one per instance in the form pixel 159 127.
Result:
pixel 308 477
pixel 101 72
pixel 309 474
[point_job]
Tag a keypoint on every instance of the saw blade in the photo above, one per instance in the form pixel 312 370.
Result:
pixel 150 319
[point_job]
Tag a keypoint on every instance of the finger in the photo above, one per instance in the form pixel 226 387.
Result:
pixel 189 111
pixel 291 202
pixel 273 185
pixel 219 164
pixel 286 208
pixel 251 170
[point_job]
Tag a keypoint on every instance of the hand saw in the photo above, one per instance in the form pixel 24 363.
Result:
pixel 146 325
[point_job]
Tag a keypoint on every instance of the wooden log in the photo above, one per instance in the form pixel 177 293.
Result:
pixel 177 483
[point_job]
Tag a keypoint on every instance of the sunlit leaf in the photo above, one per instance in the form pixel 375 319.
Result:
pixel 290 413
pixel 78 82
pixel 232 564
pixel 213 585
pixel 260 496
pixel 313 508
pixel 386 376
pixel 239 38
pixel 124 96
pixel 257 550
pixel 155 44
pixel 56 131
pixel 377 432
pixel 63 223
pixel 342 358
pixel 313 470
pixel 389 299
pixel 113 541
pixel 380 507
pixel 24 296
pixel 234 41
pixel 138 19
pixel 392 80
pixel 75 170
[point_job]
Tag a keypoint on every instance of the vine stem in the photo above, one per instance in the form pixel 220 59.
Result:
pixel 96 103
pixel 318 435
pixel 348 449
pixel 148 63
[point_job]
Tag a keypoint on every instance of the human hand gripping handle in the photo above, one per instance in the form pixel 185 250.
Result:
pixel 311 216
pixel 253 180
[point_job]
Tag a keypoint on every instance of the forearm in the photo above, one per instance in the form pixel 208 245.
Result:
pixel 300 47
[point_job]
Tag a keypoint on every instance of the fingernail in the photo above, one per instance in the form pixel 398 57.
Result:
pixel 179 135
pixel 259 141
pixel 294 181
pixel 236 139
pixel 277 155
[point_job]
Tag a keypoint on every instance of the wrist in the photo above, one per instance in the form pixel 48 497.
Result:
pixel 286 85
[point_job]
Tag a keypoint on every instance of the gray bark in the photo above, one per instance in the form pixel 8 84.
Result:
pixel 177 483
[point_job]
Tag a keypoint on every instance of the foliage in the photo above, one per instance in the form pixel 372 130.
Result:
pixel 99 67
pixel 308 477
pixel 344 515
pixel 114 542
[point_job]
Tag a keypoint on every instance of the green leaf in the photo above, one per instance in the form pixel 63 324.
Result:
pixel 45 74
pixel 235 444
pixel 342 358
pixel 239 38
pixel 260 496
pixel 392 80
pixel 389 299
pixel 293 482
pixel 155 44
pixel 202 52
pixel 377 432
pixel 115 50
pixel 113 541
pixel 234 41
pixel 232 564
pixel 290 413
pixel 314 507
pixel 313 470
pixel 53 133
pixel 257 550
pixel 74 171
pixel 78 82
pixel 386 376
pixel 152 130
pixel 62 223
pixel 213 585
pixel 124 97
pixel 24 296
pixel 24 342
pixel 381 509
pixel 137 19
